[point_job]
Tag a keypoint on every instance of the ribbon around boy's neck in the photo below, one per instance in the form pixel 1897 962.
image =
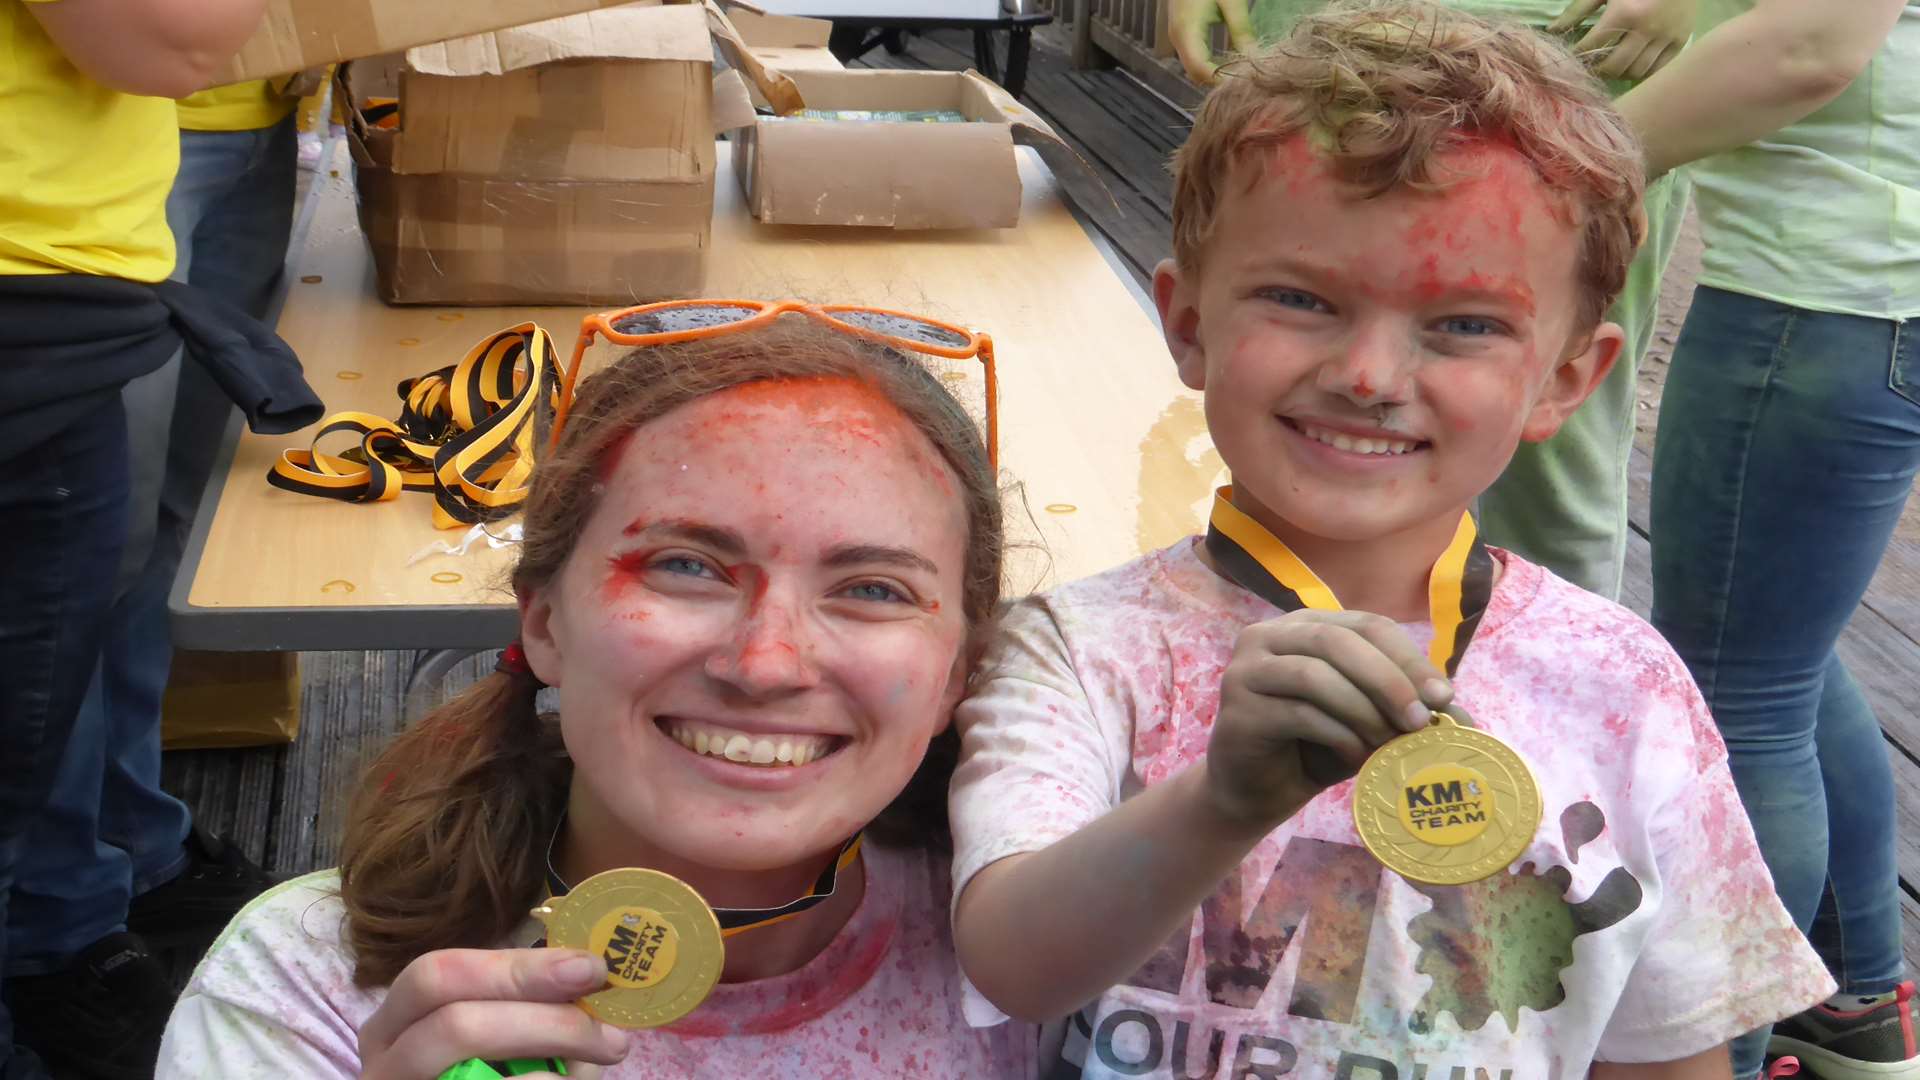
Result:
pixel 1459 586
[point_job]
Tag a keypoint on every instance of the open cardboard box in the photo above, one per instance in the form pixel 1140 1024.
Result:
pixel 297 34
pixel 569 161
pixel 901 175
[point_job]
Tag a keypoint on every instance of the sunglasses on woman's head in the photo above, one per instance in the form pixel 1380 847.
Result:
pixel 674 321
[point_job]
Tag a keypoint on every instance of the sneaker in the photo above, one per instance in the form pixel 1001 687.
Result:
pixel 218 881
pixel 99 1019
pixel 1871 1043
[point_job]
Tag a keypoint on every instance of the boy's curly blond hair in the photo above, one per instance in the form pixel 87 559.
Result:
pixel 1386 87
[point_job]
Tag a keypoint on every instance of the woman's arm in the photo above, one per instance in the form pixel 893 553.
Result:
pixel 159 48
pixel 1710 1065
pixel 1753 75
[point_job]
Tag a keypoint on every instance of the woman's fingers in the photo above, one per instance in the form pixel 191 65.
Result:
pixel 1239 25
pixel 1653 60
pixel 493 1030
pixel 446 976
pixel 1621 57
pixel 1573 15
pixel 1189 24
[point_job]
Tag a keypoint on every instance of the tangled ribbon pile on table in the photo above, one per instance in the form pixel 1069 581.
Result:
pixel 465 433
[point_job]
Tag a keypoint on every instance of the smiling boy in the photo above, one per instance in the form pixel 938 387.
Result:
pixel 1396 234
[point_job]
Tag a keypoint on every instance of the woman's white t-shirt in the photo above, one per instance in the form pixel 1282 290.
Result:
pixel 275 998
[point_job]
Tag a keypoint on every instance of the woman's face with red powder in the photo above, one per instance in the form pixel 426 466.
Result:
pixel 761 625
pixel 1371 363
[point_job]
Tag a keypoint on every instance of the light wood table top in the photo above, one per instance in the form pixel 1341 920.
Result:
pixel 1109 451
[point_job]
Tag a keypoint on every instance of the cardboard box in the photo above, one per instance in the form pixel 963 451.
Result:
pixel 888 9
pixel 219 700
pixel 565 162
pixel 893 174
pixel 298 34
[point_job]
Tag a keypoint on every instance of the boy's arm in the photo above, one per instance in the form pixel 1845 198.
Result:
pixel 1707 1065
pixel 1042 932
pixel 159 48
pixel 1753 75
pixel 1045 932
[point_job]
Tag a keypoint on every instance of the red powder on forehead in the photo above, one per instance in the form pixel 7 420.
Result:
pixel 610 457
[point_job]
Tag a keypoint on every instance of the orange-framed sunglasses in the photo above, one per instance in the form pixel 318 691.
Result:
pixel 673 321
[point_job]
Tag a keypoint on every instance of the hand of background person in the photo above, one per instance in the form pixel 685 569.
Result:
pixel 1345 681
pixel 492 1004
pixel 1190 23
pixel 1632 39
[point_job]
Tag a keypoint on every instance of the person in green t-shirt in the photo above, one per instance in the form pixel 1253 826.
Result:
pixel 1788 443
pixel 1562 502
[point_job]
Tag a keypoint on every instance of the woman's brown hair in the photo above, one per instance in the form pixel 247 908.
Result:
pixel 446 836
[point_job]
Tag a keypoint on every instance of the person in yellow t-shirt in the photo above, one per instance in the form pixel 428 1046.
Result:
pixel 88 152
pixel 230 213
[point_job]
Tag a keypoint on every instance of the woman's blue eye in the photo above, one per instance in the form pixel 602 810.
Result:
pixel 681 564
pixel 1469 326
pixel 875 591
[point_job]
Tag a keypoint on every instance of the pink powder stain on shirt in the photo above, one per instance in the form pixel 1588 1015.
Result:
pixel 1586 692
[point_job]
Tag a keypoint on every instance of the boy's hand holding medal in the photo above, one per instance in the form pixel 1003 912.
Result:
pixel 1306 699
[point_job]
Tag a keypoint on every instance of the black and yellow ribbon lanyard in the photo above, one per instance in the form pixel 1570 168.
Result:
pixel 1458 589
pixel 465 434
pixel 740 920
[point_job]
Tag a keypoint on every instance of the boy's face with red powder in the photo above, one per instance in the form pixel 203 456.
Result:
pixel 760 627
pixel 1370 364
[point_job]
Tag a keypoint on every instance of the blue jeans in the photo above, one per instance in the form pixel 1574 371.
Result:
pixel 109 832
pixel 65 507
pixel 1788 443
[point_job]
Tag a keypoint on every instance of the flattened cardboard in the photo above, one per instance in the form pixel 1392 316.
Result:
pixel 297 34
pixel 785 43
pixel 898 175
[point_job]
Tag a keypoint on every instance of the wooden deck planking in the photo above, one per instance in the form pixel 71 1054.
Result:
pixel 284 805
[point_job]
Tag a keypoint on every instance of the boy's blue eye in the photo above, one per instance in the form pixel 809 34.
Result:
pixel 1469 326
pixel 1294 298
pixel 875 591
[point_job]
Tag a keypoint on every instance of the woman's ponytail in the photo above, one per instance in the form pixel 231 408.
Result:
pixel 446 836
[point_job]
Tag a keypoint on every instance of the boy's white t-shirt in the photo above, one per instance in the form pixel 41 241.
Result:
pixel 1641 925
pixel 275 998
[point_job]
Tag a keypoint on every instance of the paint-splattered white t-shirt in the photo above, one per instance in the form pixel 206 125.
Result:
pixel 275 998
pixel 1640 925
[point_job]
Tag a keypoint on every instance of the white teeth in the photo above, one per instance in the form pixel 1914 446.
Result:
pixel 738 746
pixel 1341 441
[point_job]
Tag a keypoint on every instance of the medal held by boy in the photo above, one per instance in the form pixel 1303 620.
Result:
pixel 1443 806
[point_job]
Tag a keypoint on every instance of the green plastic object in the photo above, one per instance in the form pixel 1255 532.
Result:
pixel 475 1069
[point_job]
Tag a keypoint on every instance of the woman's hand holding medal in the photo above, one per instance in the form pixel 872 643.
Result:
pixel 1305 700
pixel 456 1004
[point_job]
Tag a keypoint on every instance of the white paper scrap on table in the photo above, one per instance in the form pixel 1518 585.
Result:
pixel 509 534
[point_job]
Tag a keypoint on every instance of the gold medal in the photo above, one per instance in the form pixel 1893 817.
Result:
pixel 1447 805
pixel 660 940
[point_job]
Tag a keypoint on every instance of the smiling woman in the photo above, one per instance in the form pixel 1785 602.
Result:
pixel 757 569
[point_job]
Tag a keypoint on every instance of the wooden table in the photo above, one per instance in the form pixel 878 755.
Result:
pixel 1109 451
